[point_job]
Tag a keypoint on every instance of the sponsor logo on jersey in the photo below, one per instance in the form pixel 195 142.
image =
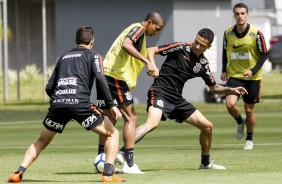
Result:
pixel 259 43
pixel 240 56
pixel 173 49
pixel 89 121
pixel 71 56
pixel 67 81
pixel 66 101
pixel 66 92
pixel 53 125
pixel 197 68
pixel 97 63
pixel 238 46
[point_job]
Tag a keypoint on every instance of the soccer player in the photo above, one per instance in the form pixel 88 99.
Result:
pixel 123 64
pixel 244 53
pixel 183 62
pixel 69 89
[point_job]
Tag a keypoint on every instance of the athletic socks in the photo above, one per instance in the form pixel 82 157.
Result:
pixel 21 168
pixel 205 160
pixel 239 120
pixel 108 169
pixel 249 136
pixel 101 149
pixel 128 155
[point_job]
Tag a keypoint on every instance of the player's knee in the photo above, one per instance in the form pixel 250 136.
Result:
pixel 208 129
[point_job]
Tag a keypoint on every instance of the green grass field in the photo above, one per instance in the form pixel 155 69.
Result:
pixel 168 155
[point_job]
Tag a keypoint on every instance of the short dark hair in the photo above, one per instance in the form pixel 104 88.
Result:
pixel 155 17
pixel 240 5
pixel 84 35
pixel 207 34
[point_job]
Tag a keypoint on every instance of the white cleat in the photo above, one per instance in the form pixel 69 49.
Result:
pixel 249 145
pixel 131 170
pixel 212 166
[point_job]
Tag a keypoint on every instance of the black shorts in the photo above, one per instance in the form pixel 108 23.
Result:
pixel 88 116
pixel 252 87
pixel 120 93
pixel 178 110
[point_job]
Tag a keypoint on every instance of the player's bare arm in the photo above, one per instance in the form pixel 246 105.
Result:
pixel 152 51
pixel 127 45
pixel 219 89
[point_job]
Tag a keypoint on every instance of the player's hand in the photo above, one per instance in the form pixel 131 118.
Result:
pixel 224 76
pixel 116 114
pixel 248 74
pixel 239 90
pixel 150 69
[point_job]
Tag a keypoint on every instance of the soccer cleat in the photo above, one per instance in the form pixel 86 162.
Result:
pixel 212 166
pixel 16 177
pixel 131 170
pixel 249 145
pixel 240 129
pixel 113 178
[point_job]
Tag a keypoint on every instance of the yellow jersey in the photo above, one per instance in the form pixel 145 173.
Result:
pixel 121 65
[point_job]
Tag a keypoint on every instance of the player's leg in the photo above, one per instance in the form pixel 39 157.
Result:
pixel 152 122
pixel 250 100
pixel 198 120
pixel 46 136
pixel 111 136
pixel 250 124
pixel 129 128
pixel 101 146
pixel 232 107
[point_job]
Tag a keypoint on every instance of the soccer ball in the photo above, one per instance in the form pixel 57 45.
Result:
pixel 99 162
pixel 120 159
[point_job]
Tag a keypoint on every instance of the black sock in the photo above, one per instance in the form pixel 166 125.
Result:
pixel 101 149
pixel 128 154
pixel 21 168
pixel 205 160
pixel 249 136
pixel 108 169
pixel 239 120
pixel 121 149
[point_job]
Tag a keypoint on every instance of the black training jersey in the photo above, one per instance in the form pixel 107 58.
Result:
pixel 179 66
pixel 71 81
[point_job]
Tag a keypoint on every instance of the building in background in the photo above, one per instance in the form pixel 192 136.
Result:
pixel 183 19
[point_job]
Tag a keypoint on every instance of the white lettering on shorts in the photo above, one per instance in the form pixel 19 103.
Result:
pixel 53 125
pixel 101 103
pixel 89 121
